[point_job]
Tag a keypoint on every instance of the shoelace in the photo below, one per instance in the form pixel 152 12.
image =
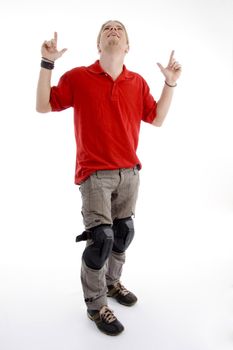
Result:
pixel 121 289
pixel 107 315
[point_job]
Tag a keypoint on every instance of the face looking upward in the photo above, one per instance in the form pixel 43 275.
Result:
pixel 113 36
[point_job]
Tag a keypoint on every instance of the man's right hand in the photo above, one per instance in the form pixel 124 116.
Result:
pixel 49 49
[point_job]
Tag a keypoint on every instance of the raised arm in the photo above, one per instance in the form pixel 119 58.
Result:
pixel 171 73
pixel 49 55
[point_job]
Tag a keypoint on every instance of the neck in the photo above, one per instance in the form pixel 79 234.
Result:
pixel 112 64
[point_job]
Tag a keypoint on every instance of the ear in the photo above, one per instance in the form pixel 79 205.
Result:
pixel 98 47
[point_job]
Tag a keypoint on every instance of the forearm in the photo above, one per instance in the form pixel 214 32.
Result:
pixel 43 91
pixel 163 105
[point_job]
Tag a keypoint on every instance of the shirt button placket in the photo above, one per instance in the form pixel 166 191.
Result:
pixel 114 92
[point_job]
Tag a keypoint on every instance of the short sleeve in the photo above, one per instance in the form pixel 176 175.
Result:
pixel 149 105
pixel 61 96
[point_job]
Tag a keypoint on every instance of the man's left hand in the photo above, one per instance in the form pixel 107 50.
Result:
pixel 173 70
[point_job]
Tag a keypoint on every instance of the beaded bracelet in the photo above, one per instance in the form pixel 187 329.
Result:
pixel 47 60
pixel 170 85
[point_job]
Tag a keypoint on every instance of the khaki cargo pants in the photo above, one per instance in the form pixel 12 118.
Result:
pixel 106 195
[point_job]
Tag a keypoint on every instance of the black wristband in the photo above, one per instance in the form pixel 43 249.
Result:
pixel 47 65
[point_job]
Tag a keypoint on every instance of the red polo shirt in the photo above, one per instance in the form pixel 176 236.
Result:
pixel 107 116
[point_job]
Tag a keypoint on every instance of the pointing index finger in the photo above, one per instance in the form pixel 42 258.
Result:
pixel 55 38
pixel 171 57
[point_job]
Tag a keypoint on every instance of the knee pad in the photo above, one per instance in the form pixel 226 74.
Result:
pixel 123 234
pixel 96 254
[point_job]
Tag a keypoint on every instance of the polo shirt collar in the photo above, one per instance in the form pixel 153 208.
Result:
pixel 97 69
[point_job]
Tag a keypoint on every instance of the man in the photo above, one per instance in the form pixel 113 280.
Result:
pixel 109 103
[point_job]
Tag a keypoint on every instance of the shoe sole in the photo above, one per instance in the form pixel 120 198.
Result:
pixel 121 302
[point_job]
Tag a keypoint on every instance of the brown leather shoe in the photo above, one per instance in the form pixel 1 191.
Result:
pixel 121 294
pixel 106 321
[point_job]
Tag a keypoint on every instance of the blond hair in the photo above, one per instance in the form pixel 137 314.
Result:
pixel 103 25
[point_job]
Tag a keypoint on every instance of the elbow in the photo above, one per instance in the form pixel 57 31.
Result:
pixel 158 125
pixel 159 118
pixel 157 122
pixel 43 109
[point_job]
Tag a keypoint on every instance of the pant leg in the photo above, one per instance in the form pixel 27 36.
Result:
pixel 114 267
pixel 123 206
pixel 96 210
pixel 94 286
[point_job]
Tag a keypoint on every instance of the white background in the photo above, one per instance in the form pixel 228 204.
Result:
pixel 181 262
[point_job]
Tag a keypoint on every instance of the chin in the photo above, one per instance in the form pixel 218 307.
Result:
pixel 113 42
